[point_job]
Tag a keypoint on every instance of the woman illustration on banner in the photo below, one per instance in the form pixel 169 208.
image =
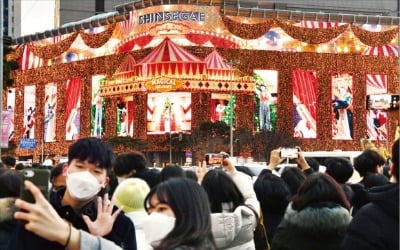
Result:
pixel 265 99
pixel 220 110
pixel 29 123
pixel 377 124
pixel 124 122
pixel 98 114
pixel 49 122
pixel 72 125
pixel 343 109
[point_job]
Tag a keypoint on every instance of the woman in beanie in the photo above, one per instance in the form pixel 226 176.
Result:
pixel 130 195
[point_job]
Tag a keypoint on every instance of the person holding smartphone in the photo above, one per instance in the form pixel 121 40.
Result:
pixel 89 162
pixel 45 222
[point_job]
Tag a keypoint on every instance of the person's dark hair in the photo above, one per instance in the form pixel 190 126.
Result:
pixel 293 178
pixel 272 193
pixel 313 163
pixel 220 188
pixel 191 174
pixel 245 170
pixel 9 160
pixel 340 169
pixel 367 161
pixel 92 150
pixel 189 203
pixel 171 171
pixel 56 171
pixel 395 159
pixel 126 162
pixel 319 190
pixel 20 166
pixel 10 183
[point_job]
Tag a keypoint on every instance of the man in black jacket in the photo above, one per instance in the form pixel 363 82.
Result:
pixel 89 162
pixel 376 225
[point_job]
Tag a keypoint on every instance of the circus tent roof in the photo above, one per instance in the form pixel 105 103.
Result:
pixel 169 59
pixel 217 67
pixel 384 50
pixel 126 69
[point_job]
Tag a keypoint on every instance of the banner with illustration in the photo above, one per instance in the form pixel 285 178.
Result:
pixel 342 106
pixel 222 108
pixel 377 119
pixel 29 112
pixel 73 109
pixel 125 111
pixel 6 117
pixel 97 111
pixel 265 97
pixel 169 112
pixel 11 108
pixel 304 84
pixel 50 108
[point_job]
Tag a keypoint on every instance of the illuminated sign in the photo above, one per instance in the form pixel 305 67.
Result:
pixel 172 16
pixel 163 84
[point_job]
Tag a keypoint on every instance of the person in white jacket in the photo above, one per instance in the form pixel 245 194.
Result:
pixel 130 195
pixel 233 206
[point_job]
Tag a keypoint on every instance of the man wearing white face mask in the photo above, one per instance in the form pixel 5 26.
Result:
pixel 89 162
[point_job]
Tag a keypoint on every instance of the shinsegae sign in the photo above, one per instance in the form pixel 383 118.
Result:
pixel 163 84
pixel 172 16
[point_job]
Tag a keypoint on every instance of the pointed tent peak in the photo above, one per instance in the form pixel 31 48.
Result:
pixel 168 51
pixel 215 61
pixel 127 64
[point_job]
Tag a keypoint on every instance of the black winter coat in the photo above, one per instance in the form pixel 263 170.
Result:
pixel 312 228
pixel 376 225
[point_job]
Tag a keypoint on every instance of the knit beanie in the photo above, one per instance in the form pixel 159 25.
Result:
pixel 131 193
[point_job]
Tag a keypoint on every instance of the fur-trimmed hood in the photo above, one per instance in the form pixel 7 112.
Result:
pixel 7 209
pixel 319 219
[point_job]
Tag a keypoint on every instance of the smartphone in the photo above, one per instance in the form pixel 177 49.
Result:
pixel 39 177
pixel 289 153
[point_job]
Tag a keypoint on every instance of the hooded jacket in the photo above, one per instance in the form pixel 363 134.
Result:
pixel 376 225
pixel 234 231
pixel 312 228
pixel 7 221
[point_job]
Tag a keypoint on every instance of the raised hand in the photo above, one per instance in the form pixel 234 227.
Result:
pixel 105 217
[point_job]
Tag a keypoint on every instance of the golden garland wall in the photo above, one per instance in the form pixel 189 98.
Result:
pixel 283 62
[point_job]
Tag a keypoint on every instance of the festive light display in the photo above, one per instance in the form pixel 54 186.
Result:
pixel 246 61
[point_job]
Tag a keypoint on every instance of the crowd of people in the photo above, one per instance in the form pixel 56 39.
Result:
pixel 97 200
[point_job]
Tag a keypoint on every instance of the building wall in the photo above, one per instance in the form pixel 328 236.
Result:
pixel 75 10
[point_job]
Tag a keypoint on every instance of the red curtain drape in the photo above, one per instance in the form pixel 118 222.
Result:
pixel 213 113
pixel 305 88
pixel 131 110
pixel 73 93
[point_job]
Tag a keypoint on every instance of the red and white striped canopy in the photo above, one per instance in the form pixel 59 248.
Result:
pixel 128 25
pixel 217 67
pixel 170 59
pixel 215 61
pixel 318 25
pixel 168 51
pixel 384 50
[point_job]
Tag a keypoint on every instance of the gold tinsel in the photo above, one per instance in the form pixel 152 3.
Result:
pixel 99 39
pixel 375 39
pixel 312 36
pixel 323 64
pixel 53 50
pixel 247 31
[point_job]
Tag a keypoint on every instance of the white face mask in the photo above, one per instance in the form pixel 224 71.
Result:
pixel 121 179
pixel 82 186
pixel 156 227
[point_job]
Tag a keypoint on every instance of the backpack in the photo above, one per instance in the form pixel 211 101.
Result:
pixel 260 234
